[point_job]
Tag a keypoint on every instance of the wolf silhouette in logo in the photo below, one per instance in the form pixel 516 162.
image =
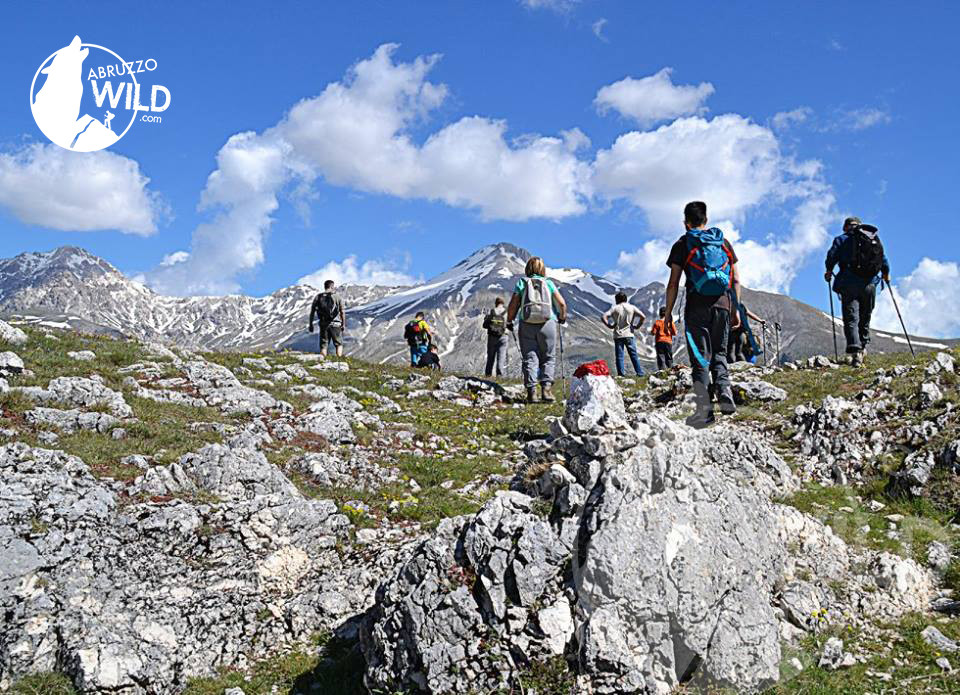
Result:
pixel 56 106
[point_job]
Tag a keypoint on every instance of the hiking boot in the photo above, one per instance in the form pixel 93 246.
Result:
pixel 546 393
pixel 531 395
pixel 856 359
pixel 727 404
pixel 699 421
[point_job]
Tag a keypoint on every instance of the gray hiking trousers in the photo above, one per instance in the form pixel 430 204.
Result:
pixel 857 306
pixel 496 353
pixel 538 348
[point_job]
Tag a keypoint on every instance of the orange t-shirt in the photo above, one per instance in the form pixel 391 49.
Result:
pixel 661 334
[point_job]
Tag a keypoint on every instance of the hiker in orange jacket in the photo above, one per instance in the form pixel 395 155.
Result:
pixel 663 334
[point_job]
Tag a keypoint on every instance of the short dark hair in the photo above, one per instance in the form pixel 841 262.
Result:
pixel 419 315
pixel 663 311
pixel 695 213
pixel 328 285
pixel 433 347
pixel 498 301
pixel 621 297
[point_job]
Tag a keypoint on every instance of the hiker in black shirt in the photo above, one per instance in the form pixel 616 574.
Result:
pixel 328 309
pixel 710 265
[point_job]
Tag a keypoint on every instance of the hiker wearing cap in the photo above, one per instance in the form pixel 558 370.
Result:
pixel 495 324
pixel 540 307
pixel 419 338
pixel 860 255
pixel 742 346
pixel 624 318
pixel 328 309
pixel 663 335
pixel 710 266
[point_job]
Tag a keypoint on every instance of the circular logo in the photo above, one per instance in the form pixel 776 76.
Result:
pixel 84 97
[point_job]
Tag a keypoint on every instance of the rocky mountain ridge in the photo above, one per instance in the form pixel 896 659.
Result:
pixel 169 515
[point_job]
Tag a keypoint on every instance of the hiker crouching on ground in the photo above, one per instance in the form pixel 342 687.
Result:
pixel 328 309
pixel 710 266
pixel 624 318
pixel 431 359
pixel 495 324
pixel 859 253
pixel 419 338
pixel 540 307
pixel 663 335
pixel 740 347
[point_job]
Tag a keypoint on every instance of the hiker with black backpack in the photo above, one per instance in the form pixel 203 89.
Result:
pixel 624 318
pixel 712 291
pixel 541 308
pixel 328 309
pixel 495 324
pixel 863 263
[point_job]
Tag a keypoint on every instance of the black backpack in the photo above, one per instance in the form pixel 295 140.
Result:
pixel 414 333
pixel 496 324
pixel 867 252
pixel 326 308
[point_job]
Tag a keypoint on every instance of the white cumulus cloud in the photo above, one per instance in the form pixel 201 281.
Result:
pixel 48 186
pixel 649 100
pixel 350 272
pixel 928 299
pixel 732 164
pixel 786 119
pixel 357 133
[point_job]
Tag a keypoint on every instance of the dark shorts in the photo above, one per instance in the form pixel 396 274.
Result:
pixel 331 332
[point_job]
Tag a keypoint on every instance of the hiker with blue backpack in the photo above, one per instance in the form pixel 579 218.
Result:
pixel 863 263
pixel 712 297
pixel 541 308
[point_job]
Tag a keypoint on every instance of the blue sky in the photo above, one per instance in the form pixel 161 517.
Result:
pixel 520 128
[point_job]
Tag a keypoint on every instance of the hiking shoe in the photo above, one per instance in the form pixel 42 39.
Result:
pixel 531 395
pixel 857 359
pixel 727 404
pixel 699 421
pixel 546 393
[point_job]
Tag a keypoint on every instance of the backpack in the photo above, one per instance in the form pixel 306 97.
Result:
pixel 415 334
pixel 537 305
pixel 867 252
pixel 326 308
pixel 496 324
pixel 709 262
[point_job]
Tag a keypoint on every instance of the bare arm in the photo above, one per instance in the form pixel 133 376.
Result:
pixel 673 287
pixel 735 280
pixel 605 319
pixel 641 317
pixel 561 306
pixel 754 317
pixel 513 307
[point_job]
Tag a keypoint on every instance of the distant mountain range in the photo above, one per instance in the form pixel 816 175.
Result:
pixel 71 287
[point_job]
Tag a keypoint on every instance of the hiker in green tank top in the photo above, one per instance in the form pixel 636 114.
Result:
pixel 540 307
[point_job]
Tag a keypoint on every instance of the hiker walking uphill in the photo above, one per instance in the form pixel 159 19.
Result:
pixel 495 324
pixel 742 345
pixel 624 318
pixel 328 309
pixel 418 337
pixel 663 335
pixel 860 255
pixel 540 308
pixel 712 287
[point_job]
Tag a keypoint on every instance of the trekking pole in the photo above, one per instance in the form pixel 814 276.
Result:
pixel 563 378
pixel 833 324
pixel 776 327
pixel 902 325
pixel 763 330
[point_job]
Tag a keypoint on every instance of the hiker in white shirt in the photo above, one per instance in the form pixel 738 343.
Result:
pixel 624 318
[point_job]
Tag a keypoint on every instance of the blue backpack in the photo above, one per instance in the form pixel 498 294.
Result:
pixel 709 263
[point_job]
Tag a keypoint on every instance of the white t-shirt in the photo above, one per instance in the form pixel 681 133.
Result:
pixel 624 317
